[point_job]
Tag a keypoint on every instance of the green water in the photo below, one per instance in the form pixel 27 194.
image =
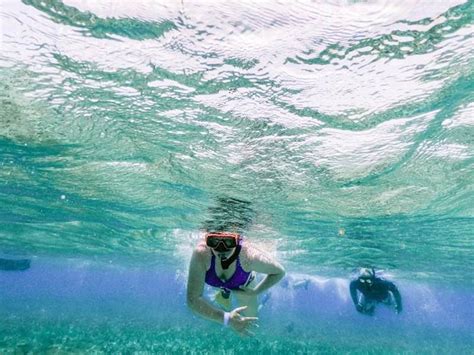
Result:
pixel 347 126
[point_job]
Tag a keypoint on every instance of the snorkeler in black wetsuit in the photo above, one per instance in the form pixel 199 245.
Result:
pixel 373 290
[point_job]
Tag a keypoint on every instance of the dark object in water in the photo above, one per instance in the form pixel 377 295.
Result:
pixel 14 265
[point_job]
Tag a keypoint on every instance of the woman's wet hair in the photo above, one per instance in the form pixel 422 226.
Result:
pixel 229 215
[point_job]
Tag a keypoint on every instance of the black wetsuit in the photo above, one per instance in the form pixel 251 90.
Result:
pixel 378 291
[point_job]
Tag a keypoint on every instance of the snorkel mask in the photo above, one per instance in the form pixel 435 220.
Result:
pixel 222 241
pixel 367 276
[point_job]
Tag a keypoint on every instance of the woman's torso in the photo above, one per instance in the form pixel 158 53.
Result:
pixel 234 277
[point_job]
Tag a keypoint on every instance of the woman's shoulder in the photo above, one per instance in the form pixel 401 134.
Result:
pixel 254 254
pixel 201 249
pixel 202 254
pixel 249 249
pixel 248 254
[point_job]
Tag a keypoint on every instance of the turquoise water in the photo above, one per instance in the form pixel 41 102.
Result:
pixel 346 126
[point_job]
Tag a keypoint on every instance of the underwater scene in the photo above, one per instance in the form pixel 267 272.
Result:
pixel 326 146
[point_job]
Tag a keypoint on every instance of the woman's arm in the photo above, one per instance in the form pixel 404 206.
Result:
pixel 262 263
pixel 195 288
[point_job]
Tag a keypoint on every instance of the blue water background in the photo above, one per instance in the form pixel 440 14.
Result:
pixel 347 127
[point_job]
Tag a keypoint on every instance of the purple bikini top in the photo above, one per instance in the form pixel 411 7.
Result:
pixel 239 278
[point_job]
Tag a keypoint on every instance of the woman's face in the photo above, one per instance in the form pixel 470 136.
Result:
pixel 223 253
pixel 223 245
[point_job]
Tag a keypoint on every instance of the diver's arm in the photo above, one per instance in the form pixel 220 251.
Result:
pixel 195 300
pixel 397 296
pixel 354 286
pixel 353 289
pixel 262 263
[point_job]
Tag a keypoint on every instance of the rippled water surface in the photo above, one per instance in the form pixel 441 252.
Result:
pixel 346 126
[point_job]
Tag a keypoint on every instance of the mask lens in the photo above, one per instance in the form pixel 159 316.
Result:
pixel 213 242
pixel 229 242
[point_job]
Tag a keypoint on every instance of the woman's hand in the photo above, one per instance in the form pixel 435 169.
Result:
pixel 240 323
